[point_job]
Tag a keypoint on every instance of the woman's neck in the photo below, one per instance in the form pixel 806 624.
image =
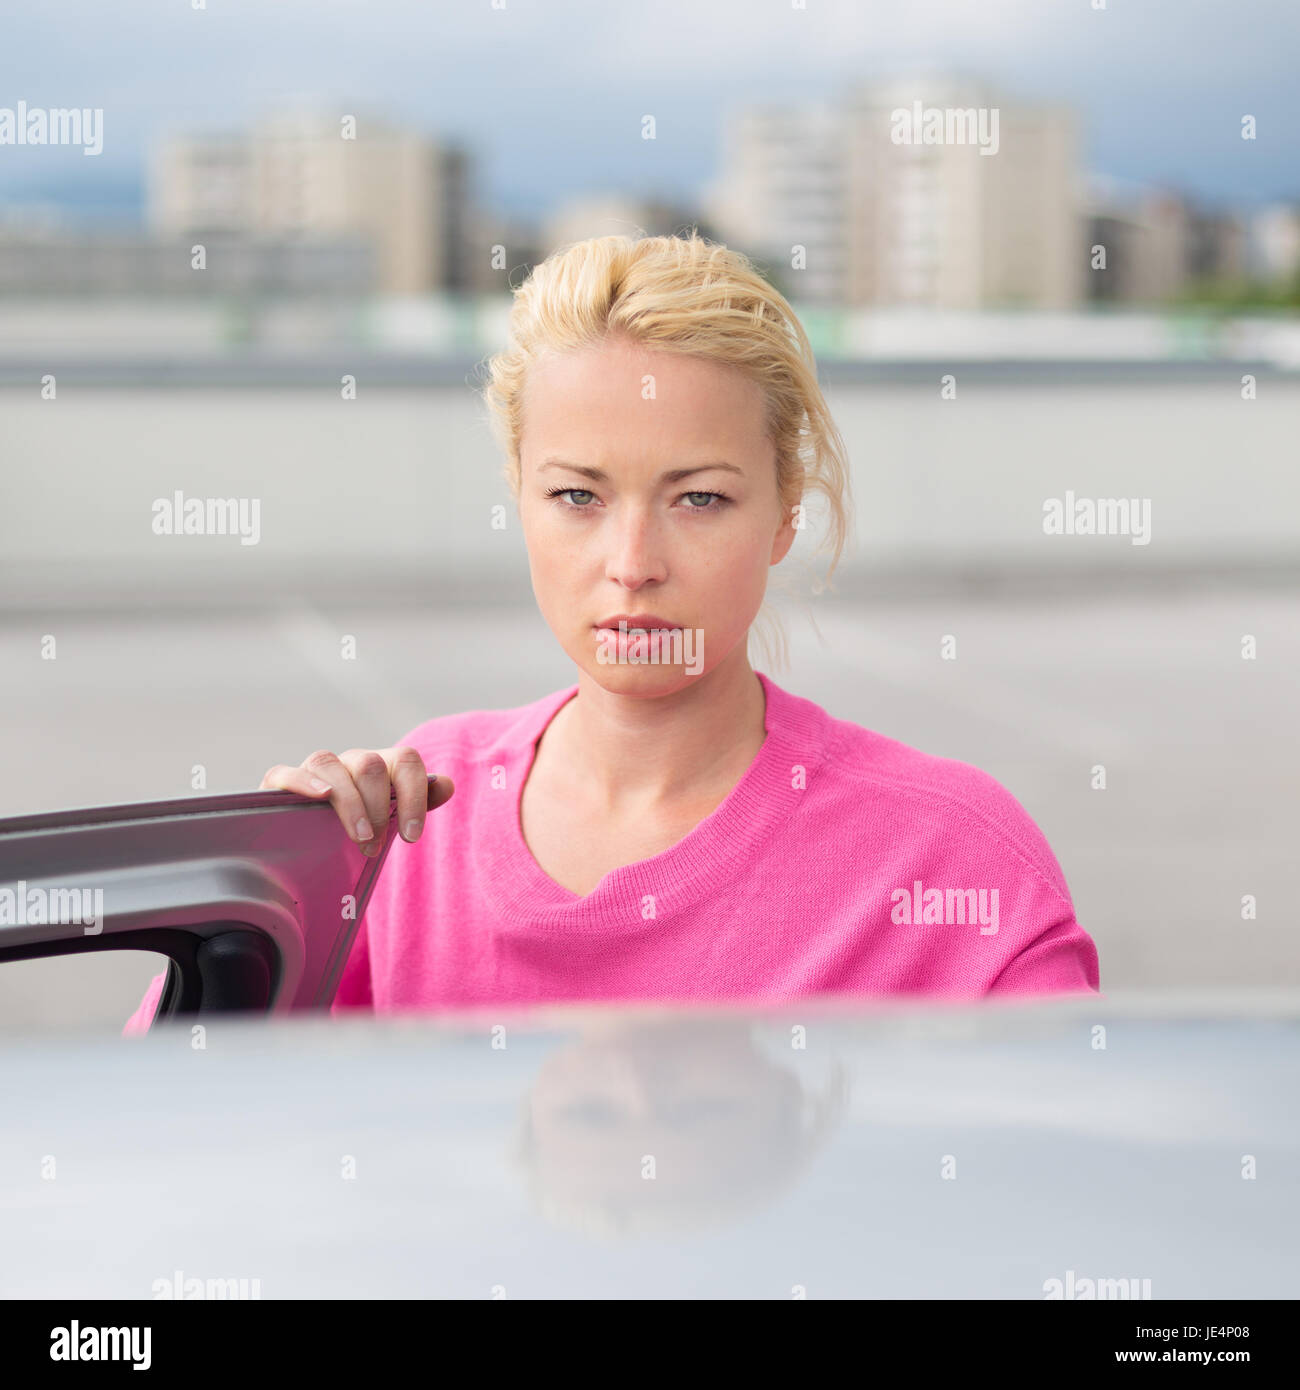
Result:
pixel 627 755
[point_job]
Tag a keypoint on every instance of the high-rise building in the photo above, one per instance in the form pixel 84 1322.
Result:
pixel 784 196
pixel 307 175
pixel 1274 243
pixel 1157 245
pixel 926 192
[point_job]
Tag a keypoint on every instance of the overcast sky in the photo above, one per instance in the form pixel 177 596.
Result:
pixel 550 93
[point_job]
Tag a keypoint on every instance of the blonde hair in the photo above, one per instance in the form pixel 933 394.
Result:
pixel 682 294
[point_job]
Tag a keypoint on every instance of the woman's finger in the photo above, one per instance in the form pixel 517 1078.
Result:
pixel 294 779
pixel 410 781
pixel 441 790
pixel 370 774
pixel 344 795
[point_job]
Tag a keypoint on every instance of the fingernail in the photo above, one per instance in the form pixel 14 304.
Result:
pixel 412 831
pixel 364 830
pixel 319 786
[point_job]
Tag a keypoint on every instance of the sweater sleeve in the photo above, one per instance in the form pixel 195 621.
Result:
pixel 140 1021
pixel 1062 959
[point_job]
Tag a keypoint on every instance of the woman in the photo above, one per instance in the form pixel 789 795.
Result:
pixel 676 826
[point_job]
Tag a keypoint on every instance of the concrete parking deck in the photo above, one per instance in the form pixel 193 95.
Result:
pixel 1199 746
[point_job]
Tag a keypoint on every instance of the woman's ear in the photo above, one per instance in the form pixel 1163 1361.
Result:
pixel 784 538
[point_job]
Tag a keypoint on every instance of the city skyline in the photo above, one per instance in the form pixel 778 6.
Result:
pixel 881 196
pixel 1158 109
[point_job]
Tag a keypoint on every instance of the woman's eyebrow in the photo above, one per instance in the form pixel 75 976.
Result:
pixel 673 475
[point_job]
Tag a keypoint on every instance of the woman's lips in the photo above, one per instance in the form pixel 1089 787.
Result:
pixel 642 622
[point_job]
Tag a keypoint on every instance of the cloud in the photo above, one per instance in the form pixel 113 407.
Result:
pixel 548 89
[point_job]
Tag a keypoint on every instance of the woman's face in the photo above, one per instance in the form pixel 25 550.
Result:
pixel 647 490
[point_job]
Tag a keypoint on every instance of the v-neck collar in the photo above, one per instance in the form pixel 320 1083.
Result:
pixel 635 896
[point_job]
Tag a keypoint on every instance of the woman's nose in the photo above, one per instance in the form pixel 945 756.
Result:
pixel 636 555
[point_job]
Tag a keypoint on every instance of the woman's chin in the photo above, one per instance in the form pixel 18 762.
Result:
pixel 646 682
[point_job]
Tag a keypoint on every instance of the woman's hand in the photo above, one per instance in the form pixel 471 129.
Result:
pixel 358 782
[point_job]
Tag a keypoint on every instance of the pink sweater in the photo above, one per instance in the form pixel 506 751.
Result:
pixel 842 862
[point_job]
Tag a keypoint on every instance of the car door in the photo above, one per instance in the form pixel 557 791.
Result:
pixel 254 897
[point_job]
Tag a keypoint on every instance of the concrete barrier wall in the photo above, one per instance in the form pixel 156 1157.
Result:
pixel 397 486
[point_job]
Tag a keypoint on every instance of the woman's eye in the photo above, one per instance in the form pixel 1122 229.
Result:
pixel 581 499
